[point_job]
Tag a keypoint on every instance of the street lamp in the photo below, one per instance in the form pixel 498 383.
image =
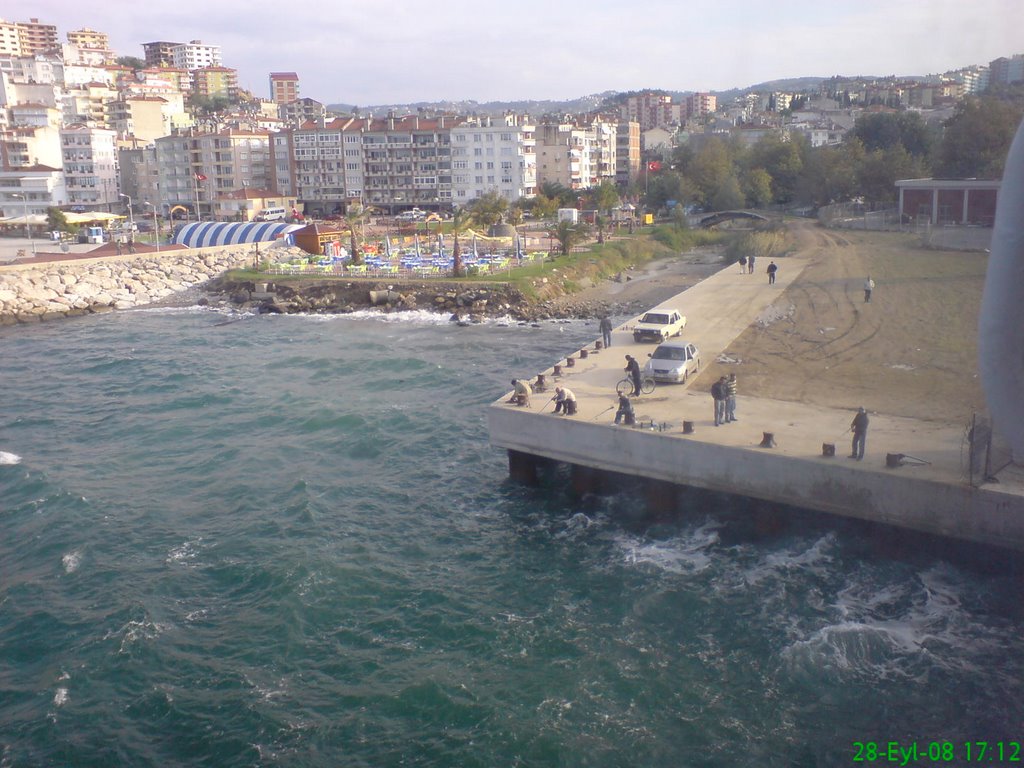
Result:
pixel 156 224
pixel 131 216
pixel 28 230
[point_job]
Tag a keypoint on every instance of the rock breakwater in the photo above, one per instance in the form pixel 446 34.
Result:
pixel 35 292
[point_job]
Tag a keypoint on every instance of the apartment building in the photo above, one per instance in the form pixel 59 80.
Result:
pixel 90 166
pixel 221 82
pixel 492 155
pixel 298 112
pixel 31 190
pixel 390 162
pixel 89 103
pixel 142 118
pixel 10 38
pixel 194 169
pixel 35 37
pixel 24 145
pixel 627 152
pixel 194 55
pixel 159 53
pixel 698 105
pixel 652 110
pixel 1003 71
pixel 577 157
pixel 284 87
pixel 89 38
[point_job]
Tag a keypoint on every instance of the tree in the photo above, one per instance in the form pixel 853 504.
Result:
pixel 977 139
pixel 355 216
pixel 781 158
pixel 566 198
pixel 462 219
pixel 569 235
pixel 56 221
pixel 728 195
pixel 757 187
pixel 877 174
pixel 888 130
pixel 489 209
pixel 712 166
pixel 132 62
pixel 544 207
pixel 830 174
pixel 605 196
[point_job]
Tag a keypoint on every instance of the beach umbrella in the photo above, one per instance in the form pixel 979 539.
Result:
pixel 387 245
pixel 416 240
pixel 475 255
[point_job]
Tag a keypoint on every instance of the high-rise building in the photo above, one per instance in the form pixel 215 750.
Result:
pixel 36 37
pixel 651 110
pixel 10 39
pixel 215 81
pixel 492 155
pixel 1004 71
pixel 90 166
pixel 284 87
pixel 89 38
pixel 194 55
pixel 159 53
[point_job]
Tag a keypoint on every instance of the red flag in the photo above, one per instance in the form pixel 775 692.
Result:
pixel 654 165
pixel 200 177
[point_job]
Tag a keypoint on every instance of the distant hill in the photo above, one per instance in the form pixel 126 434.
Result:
pixel 568 106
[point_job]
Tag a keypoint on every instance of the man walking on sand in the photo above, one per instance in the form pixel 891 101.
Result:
pixel 772 269
pixel 750 264
pixel 869 286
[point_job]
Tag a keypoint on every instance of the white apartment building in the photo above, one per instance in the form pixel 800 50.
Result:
pixel 194 169
pixel 493 155
pixel 90 166
pixel 193 55
pixel 31 191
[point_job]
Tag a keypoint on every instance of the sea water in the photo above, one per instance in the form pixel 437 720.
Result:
pixel 286 541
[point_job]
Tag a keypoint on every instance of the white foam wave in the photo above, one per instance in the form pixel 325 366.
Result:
pixel 679 555
pixel 60 697
pixel 9 458
pixel 184 552
pixel 71 561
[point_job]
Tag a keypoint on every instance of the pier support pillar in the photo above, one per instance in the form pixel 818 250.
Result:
pixel 660 496
pixel 586 480
pixel 522 467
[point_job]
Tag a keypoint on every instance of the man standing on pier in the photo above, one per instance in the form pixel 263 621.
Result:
pixel 730 398
pixel 606 331
pixel 859 425
pixel 719 394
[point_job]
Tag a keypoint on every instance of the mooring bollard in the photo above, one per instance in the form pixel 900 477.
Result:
pixel 583 354
pixel 541 384
pixel 687 427
pixel 598 345
pixel 768 441
pixel 828 449
pixel 570 362
pixel 558 370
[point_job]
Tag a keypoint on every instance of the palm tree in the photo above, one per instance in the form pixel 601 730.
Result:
pixel 356 215
pixel 569 235
pixel 462 219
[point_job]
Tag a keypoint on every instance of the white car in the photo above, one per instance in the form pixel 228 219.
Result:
pixel 659 324
pixel 673 361
pixel 414 215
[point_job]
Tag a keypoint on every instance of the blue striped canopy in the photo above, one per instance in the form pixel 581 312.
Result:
pixel 203 234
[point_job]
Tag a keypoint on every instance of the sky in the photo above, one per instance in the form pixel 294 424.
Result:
pixel 379 52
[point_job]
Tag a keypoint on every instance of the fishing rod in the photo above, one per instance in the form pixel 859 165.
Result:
pixel 602 413
pixel 546 404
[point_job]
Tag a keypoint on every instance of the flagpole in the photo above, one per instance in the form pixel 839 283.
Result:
pixel 195 180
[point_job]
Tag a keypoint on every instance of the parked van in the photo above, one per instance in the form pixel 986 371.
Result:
pixel 270 214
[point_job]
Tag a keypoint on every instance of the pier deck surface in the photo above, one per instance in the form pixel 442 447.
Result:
pixel 720 309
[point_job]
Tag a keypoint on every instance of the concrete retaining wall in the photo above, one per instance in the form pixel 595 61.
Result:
pixel 30 292
pixel 983 515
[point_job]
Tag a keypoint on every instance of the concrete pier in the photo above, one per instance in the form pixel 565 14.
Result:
pixel 914 474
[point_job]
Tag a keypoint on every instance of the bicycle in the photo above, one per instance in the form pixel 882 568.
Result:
pixel 625 387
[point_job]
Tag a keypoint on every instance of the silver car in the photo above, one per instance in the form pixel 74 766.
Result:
pixel 673 361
